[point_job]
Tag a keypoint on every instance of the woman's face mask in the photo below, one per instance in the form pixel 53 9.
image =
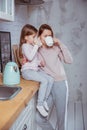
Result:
pixel 49 41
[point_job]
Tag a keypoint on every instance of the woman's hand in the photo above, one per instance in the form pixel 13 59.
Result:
pixel 24 60
pixel 56 41
pixel 42 64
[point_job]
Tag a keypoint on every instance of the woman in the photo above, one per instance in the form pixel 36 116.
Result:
pixel 53 57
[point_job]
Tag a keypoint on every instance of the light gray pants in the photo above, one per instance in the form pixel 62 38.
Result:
pixel 59 98
pixel 46 83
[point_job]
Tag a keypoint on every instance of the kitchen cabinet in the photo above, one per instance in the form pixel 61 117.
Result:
pixel 7 10
pixel 26 120
pixel 5 49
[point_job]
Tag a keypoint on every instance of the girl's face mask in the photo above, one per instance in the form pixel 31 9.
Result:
pixel 49 41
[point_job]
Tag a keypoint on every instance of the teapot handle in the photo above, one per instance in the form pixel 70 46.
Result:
pixel 15 68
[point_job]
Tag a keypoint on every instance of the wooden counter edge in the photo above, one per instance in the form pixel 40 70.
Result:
pixel 33 90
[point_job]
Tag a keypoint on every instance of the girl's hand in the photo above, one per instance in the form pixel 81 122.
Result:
pixel 35 41
pixel 38 42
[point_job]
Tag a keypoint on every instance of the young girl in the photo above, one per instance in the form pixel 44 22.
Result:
pixel 31 66
pixel 53 57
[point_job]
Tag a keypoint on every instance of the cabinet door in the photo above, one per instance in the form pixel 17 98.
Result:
pixel 25 121
pixel 7 10
pixel 5 49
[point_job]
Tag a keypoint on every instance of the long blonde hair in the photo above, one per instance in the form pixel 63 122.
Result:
pixel 26 31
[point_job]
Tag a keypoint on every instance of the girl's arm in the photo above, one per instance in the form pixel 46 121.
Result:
pixel 29 52
pixel 64 54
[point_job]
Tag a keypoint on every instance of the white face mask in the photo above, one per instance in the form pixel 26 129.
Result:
pixel 49 41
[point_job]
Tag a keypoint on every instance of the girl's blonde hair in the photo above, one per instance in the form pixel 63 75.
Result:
pixel 26 31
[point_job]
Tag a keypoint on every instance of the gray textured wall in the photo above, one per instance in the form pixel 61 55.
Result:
pixel 68 19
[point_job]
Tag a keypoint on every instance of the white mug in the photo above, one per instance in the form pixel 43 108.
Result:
pixel 49 41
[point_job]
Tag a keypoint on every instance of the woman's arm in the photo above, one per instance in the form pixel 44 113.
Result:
pixel 64 54
pixel 41 60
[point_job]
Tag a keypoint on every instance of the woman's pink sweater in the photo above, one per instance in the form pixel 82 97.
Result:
pixel 53 57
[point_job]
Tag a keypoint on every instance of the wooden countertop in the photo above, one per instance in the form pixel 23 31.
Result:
pixel 10 109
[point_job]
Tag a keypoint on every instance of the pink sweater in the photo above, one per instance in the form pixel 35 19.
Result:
pixel 53 58
pixel 31 54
